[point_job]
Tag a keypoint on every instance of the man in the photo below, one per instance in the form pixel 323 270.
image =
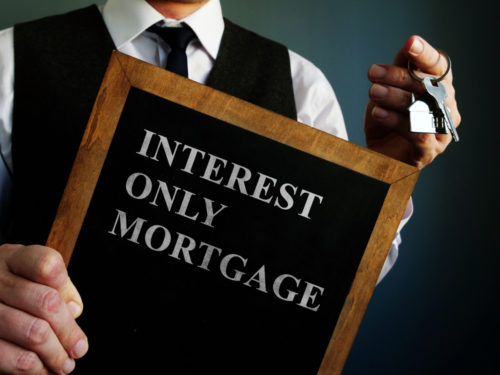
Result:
pixel 38 333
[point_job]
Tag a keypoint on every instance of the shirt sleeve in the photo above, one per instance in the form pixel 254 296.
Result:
pixel 317 106
pixel 315 100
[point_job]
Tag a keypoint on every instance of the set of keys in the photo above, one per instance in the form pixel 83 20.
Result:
pixel 429 113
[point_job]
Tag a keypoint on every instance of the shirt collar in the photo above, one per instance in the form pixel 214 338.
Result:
pixel 126 19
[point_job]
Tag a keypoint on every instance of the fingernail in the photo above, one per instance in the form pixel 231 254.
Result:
pixel 80 349
pixel 417 47
pixel 75 309
pixel 69 366
pixel 379 112
pixel 379 91
pixel 377 72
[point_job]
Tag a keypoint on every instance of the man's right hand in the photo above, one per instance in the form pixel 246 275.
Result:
pixel 38 307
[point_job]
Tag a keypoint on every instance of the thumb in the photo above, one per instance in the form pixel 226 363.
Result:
pixel 422 55
pixel 70 295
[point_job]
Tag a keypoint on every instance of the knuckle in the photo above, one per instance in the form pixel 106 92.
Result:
pixel 445 144
pixel 437 61
pixel 402 76
pixel 50 266
pixel 50 301
pixel 38 332
pixel 6 251
pixel 428 158
pixel 450 90
pixel 440 148
pixel 26 362
pixel 424 154
pixel 458 118
pixel 5 247
pixel 6 281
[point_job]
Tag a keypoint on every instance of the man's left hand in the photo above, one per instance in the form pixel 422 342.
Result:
pixel 387 128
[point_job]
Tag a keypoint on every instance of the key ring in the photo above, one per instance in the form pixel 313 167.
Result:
pixel 434 80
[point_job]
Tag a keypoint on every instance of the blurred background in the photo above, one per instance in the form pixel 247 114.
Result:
pixel 438 310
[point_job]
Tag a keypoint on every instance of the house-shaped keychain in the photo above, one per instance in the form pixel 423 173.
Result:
pixel 425 116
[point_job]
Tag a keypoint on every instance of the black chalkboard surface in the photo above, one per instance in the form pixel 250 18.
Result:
pixel 206 247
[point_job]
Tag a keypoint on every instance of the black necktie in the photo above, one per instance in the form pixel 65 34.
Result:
pixel 178 39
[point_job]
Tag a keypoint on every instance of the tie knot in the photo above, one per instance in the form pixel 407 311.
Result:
pixel 175 37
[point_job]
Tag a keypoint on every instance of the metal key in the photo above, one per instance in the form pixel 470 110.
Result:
pixel 437 90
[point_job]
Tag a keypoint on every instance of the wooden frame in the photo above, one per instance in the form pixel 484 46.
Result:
pixel 125 72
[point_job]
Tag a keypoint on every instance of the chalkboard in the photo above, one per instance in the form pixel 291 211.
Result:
pixel 212 236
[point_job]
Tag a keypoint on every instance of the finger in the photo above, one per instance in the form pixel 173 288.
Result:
pixel 15 360
pixel 424 147
pixel 390 97
pixel 39 264
pixel 389 75
pixel 34 335
pixel 70 295
pixel 455 114
pixel 396 76
pixel 422 55
pixel 45 303
pixel 45 266
pixel 399 122
pixel 392 120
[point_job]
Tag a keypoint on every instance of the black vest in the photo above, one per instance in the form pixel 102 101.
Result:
pixel 59 64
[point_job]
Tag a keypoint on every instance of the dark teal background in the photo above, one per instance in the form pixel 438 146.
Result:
pixel 437 311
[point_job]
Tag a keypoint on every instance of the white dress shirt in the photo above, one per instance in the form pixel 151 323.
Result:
pixel 128 21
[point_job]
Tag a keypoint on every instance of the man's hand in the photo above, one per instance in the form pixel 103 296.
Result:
pixel 387 128
pixel 38 307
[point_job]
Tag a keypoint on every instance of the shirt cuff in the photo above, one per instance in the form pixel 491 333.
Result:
pixel 407 214
pixel 394 251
